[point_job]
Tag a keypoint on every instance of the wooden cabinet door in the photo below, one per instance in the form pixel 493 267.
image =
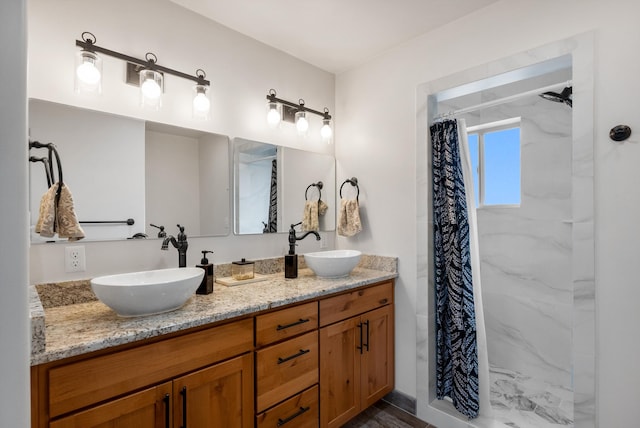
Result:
pixel 377 358
pixel 339 372
pixel 150 408
pixel 220 396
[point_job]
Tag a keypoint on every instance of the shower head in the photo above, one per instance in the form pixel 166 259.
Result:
pixel 562 97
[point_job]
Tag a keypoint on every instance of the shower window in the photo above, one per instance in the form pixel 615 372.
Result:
pixel 495 161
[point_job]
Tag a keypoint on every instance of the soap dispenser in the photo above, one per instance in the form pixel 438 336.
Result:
pixel 206 286
pixel 291 259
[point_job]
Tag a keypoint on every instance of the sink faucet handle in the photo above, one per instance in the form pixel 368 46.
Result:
pixel 161 233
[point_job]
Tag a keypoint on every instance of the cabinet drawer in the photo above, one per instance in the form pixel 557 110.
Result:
pixel 90 381
pixel 284 369
pixel 357 302
pixel 300 411
pixel 285 323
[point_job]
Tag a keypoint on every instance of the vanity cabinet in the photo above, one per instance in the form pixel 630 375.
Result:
pixel 205 376
pixel 314 363
pixel 287 367
pixel 212 397
pixel 356 352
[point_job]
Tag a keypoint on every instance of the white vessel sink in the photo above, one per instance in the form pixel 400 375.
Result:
pixel 334 263
pixel 149 292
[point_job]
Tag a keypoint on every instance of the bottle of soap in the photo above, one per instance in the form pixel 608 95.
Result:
pixel 206 286
pixel 290 265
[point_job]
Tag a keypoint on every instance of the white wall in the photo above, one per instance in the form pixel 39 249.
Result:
pixel 14 319
pixel 377 143
pixel 215 186
pixel 299 170
pixel 240 69
pixel 172 175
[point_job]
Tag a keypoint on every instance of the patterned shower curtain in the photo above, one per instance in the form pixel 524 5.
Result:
pixel 272 226
pixel 456 345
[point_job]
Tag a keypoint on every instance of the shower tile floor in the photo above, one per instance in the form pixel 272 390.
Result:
pixel 520 401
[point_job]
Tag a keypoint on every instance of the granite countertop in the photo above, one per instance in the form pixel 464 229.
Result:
pixel 79 324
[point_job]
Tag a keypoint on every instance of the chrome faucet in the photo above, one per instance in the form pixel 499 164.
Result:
pixel 181 244
pixel 293 238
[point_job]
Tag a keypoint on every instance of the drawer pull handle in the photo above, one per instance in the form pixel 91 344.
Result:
pixel 292 417
pixel 300 321
pixel 384 301
pixel 183 392
pixel 360 346
pixel 291 357
pixel 167 420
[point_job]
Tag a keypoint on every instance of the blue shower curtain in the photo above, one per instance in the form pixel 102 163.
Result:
pixel 456 345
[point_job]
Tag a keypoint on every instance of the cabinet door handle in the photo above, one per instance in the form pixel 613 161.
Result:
pixel 167 411
pixel 300 321
pixel 292 417
pixel 291 357
pixel 360 346
pixel 183 392
pixel 366 345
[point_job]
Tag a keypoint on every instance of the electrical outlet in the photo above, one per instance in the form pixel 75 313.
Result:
pixel 74 260
pixel 323 241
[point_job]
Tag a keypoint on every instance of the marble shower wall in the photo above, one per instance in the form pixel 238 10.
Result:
pixel 526 251
pixel 582 314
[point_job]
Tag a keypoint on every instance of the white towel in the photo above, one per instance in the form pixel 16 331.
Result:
pixel 349 222
pixel 62 218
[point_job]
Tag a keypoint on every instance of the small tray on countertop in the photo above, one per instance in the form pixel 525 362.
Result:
pixel 229 281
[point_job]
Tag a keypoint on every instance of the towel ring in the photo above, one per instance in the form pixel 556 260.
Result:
pixel 51 152
pixel 354 182
pixel 319 185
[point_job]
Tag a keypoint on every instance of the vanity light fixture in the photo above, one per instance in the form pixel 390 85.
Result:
pixel 302 124
pixel 282 110
pixel 201 101
pixel 151 76
pixel 88 78
pixel 326 132
pixel 151 84
pixel 273 111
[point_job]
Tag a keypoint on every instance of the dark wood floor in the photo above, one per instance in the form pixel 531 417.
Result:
pixel 385 415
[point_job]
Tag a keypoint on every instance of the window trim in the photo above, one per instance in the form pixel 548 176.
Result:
pixel 485 128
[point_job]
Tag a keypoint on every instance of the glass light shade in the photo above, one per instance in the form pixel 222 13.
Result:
pixel 273 115
pixel 326 132
pixel 201 102
pixel 302 124
pixel 150 88
pixel 88 78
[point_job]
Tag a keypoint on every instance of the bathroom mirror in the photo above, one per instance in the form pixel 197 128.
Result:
pixel 118 168
pixel 275 182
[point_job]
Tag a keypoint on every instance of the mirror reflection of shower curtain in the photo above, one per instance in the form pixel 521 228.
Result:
pixel 462 366
pixel 273 199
